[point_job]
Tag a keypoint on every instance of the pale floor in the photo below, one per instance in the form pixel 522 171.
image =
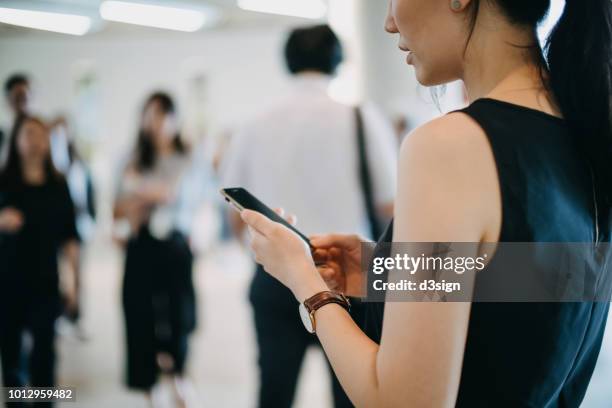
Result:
pixel 222 363
pixel 223 355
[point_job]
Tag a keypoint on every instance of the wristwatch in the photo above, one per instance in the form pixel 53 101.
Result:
pixel 311 305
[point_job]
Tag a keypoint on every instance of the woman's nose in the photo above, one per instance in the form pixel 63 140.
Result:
pixel 390 26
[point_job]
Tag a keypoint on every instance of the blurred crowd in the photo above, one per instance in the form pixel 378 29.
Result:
pixel 48 214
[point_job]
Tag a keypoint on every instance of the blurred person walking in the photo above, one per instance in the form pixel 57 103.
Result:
pixel 73 167
pixel 17 93
pixel 158 194
pixel 70 162
pixel 65 157
pixel 332 164
pixel 37 229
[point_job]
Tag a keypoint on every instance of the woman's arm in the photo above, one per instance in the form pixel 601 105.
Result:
pixel 131 208
pixel 71 253
pixel 126 202
pixel 446 193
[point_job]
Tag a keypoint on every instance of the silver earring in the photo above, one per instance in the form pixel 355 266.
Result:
pixel 456 5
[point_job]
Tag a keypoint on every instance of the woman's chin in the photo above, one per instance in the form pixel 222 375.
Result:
pixel 423 78
pixel 426 78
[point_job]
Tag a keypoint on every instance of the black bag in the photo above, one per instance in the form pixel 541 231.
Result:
pixel 365 178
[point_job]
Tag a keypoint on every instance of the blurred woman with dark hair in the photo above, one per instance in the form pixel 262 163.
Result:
pixel 153 213
pixel 37 227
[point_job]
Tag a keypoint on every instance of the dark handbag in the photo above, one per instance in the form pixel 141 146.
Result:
pixel 365 179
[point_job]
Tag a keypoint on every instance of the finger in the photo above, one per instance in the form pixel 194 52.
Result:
pixel 320 255
pixel 335 253
pixel 327 272
pixel 255 238
pixel 256 245
pixel 257 221
pixel 328 241
pixel 292 220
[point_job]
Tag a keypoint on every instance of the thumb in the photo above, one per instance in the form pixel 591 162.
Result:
pixel 257 221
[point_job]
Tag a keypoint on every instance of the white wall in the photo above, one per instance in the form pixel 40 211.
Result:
pixel 243 68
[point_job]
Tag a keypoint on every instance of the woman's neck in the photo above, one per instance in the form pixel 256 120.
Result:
pixel 518 81
pixel 33 172
pixel 497 58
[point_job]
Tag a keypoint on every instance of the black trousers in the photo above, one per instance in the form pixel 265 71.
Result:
pixel 158 304
pixel 282 341
pixel 35 367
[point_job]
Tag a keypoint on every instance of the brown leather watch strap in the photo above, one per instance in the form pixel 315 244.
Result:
pixel 323 298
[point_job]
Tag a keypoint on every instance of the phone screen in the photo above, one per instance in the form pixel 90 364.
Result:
pixel 242 199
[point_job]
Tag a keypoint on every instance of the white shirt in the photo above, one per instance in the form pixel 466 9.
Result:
pixel 6 127
pixel 302 156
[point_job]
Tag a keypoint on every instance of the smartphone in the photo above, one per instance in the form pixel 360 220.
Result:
pixel 241 199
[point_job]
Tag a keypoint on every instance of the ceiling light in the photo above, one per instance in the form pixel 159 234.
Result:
pixel 43 20
pixel 314 9
pixel 171 18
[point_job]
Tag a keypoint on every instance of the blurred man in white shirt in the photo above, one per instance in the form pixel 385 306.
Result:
pixel 303 156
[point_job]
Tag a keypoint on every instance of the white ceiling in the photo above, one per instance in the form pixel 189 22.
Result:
pixel 233 16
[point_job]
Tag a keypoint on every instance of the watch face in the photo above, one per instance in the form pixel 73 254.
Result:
pixel 306 318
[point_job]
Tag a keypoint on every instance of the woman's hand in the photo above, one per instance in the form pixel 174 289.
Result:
pixel 155 193
pixel 129 214
pixel 338 259
pixel 11 220
pixel 284 255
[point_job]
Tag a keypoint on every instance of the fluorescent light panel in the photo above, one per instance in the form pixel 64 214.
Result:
pixel 43 20
pixel 314 9
pixel 171 18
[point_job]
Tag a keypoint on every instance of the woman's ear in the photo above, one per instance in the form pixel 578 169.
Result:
pixel 458 5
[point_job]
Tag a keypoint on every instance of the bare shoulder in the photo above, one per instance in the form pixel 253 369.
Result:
pixel 449 165
pixel 449 135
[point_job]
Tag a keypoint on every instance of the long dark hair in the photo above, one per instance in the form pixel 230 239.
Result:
pixel 577 66
pixel 145 155
pixel 12 174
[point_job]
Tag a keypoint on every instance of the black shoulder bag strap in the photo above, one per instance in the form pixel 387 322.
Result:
pixel 365 178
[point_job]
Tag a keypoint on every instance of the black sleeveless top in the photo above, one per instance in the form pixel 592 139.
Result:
pixel 531 354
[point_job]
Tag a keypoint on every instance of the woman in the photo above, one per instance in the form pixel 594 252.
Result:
pixel 158 293
pixel 37 228
pixel 527 145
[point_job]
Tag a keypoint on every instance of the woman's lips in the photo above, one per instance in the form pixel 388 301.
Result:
pixel 403 47
pixel 409 57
